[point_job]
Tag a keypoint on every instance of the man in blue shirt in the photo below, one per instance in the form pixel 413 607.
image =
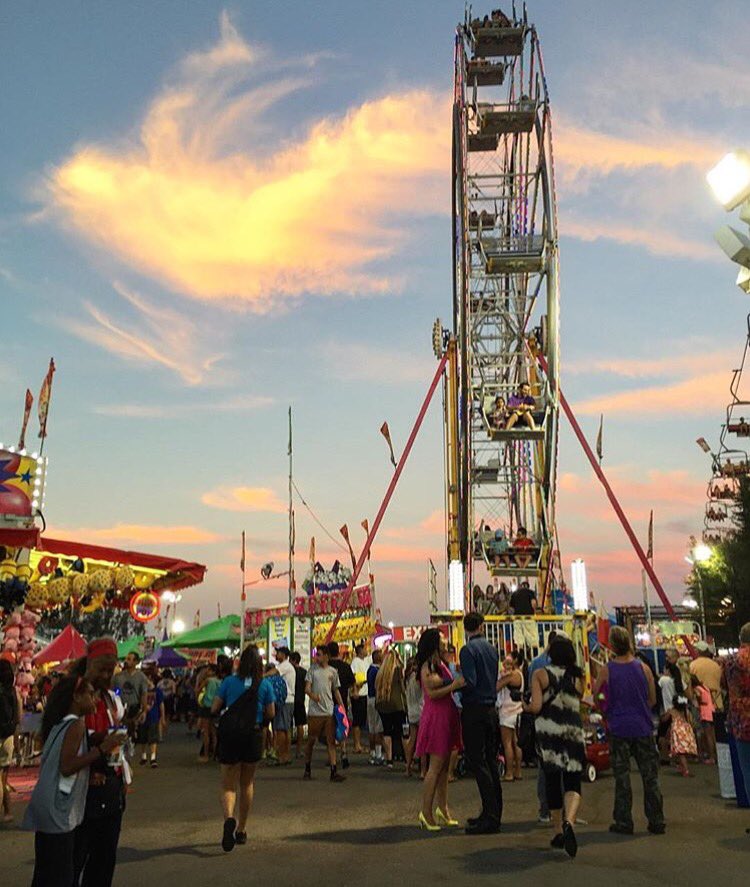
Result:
pixel 479 668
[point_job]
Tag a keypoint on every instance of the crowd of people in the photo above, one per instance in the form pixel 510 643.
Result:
pixel 427 712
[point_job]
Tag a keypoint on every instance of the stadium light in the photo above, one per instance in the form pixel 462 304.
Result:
pixel 730 179
pixel 580 585
pixel 455 585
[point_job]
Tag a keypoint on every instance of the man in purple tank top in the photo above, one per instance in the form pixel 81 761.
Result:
pixel 631 695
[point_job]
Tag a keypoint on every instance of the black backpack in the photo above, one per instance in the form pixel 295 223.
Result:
pixel 239 721
pixel 8 712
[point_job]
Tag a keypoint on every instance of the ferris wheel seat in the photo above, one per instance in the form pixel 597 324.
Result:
pixel 524 254
pixel 481 142
pixel 491 41
pixel 485 73
pixel 502 119
pixel 483 219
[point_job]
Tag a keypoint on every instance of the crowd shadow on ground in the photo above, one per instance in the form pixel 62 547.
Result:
pixel 141 854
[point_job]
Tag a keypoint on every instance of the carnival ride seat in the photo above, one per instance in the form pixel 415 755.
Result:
pixel 514 117
pixel 482 220
pixel 735 469
pixel 513 255
pixel 491 39
pixel 741 428
pixel 483 142
pixel 519 431
pixel 485 73
pixel 512 569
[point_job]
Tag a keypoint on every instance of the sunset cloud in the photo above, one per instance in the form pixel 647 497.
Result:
pixel 244 499
pixel 234 404
pixel 255 224
pixel 138 534
pixel 160 336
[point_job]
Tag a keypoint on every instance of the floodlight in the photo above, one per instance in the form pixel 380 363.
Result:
pixel 702 553
pixel 735 244
pixel 689 602
pixel 730 179
pixel 743 280
pixel 703 444
pixel 178 626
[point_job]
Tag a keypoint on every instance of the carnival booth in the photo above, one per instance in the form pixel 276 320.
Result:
pixel 224 632
pixel 66 646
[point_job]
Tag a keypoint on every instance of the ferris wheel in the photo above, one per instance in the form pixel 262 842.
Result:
pixel 505 305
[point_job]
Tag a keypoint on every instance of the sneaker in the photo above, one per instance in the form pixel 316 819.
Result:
pixel 240 837
pixel 570 843
pixel 558 842
pixel 657 829
pixel 144 760
pixel 544 819
pixel 227 838
pixel 154 762
pixel 307 774
pixel 345 763
pixel 337 777
pixel 617 829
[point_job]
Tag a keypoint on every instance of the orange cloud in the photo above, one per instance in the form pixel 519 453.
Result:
pixel 581 148
pixel 165 338
pixel 138 534
pixel 659 241
pixel 694 396
pixel 186 208
pixel 244 499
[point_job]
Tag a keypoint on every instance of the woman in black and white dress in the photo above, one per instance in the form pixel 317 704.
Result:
pixel 556 701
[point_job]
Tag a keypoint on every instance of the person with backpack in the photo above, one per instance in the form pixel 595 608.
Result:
pixel 556 692
pixel 247 700
pixel 58 801
pixel 10 718
pixel 279 723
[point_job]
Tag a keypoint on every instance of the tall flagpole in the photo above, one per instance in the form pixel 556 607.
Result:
pixel 292 584
pixel 243 597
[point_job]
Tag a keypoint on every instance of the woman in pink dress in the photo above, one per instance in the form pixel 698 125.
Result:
pixel 439 729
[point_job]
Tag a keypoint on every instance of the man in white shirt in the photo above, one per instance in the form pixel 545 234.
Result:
pixel 283 736
pixel 358 695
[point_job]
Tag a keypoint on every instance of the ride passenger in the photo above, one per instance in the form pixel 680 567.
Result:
pixel 499 414
pixel 522 546
pixel 521 407
pixel 499 549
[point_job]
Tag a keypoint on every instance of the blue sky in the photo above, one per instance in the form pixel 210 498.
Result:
pixel 314 137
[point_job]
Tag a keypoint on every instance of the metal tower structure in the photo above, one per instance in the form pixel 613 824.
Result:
pixel 505 306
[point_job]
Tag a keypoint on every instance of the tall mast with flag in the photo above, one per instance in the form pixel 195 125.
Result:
pixel 292 584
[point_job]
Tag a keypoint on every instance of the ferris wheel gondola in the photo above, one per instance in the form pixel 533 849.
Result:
pixel 505 301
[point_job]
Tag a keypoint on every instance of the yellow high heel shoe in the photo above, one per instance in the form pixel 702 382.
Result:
pixel 443 819
pixel 423 824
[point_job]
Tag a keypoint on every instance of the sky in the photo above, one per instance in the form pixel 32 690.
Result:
pixel 211 212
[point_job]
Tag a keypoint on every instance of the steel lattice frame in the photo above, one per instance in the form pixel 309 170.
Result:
pixel 505 282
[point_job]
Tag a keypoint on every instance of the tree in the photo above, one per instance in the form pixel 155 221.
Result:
pixel 723 581
pixel 104 622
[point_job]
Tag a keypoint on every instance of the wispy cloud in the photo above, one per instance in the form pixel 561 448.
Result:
pixel 244 499
pixel 371 363
pixel 159 336
pixel 203 205
pixel 237 404
pixel 138 534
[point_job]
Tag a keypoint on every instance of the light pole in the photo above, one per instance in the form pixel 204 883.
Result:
pixel 699 554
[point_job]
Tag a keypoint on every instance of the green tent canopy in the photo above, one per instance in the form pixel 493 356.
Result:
pixel 131 645
pixel 224 632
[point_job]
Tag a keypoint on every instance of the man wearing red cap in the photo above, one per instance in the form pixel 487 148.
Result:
pixel 99 833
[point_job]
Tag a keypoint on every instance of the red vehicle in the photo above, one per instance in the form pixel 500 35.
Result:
pixel 597 746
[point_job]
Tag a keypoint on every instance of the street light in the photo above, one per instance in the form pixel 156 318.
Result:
pixel 178 626
pixel 702 553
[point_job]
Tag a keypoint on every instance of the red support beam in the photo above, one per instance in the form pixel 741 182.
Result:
pixel 388 495
pixel 612 498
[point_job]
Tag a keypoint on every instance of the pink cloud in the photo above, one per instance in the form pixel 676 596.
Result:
pixel 138 534
pixel 244 499
pixel 694 396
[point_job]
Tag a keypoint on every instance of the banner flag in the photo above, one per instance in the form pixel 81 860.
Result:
pixel 44 398
pixel 26 413
pixel 386 432
pixel 345 533
pixel 599 441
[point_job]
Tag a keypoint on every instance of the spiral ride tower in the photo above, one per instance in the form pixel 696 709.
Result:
pixel 505 301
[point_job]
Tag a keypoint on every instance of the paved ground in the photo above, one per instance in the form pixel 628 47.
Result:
pixel 363 832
